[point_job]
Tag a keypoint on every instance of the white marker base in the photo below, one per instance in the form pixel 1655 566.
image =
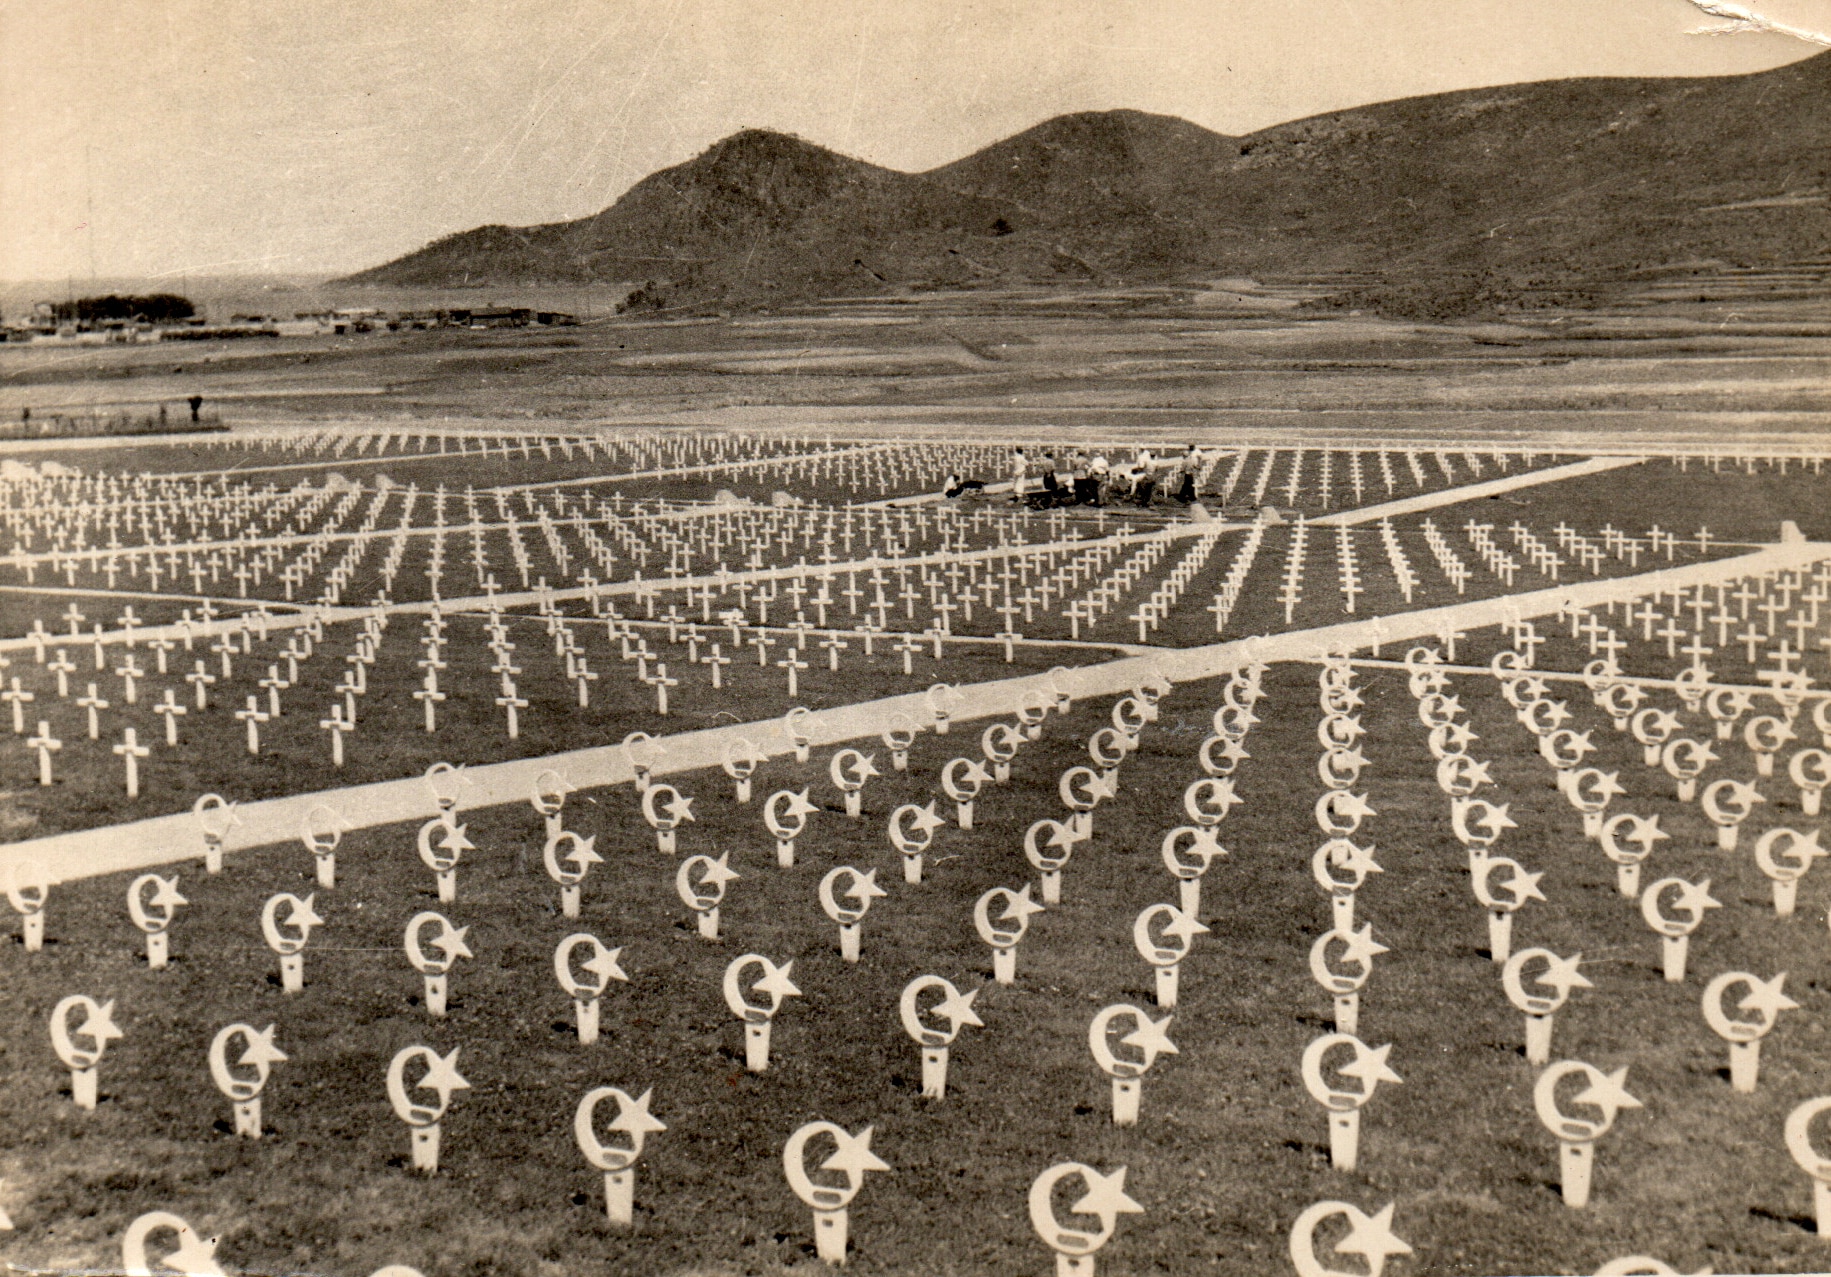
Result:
pixel 830 1235
pixel 785 853
pixel 248 1118
pixel 1004 965
pixel 1052 886
pixel 435 994
pixel 1650 755
pixel 1786 896
pixel 1592 824
pixel 912 868
pixel 158 950
pixel 292 972
pixel 1081 825
pixel 34 927
pixel 83 1088
pixel 1345 1139
pixel 1166 986
pixel 426 1148
pixel 1821 1206
pixel 1723 730
pixel 964 813
pixel 327 871
pixel 1726 837
pixel 1627 880
pixel 855 804
pixel 448 886
pixel 569 901
pixel 664 839
pixel 934 1072
pixel 1001 772
pixel 1744 1065
pixel 941 725
pixel 1341 908
pixel 585 1014
pixel 1348 1013
pixel 1673 950
pixel 1810 800
pixel 213 857
pixel 899 759
pixel 708 924
pixel 1126 1094
pixel 848 941
pixel 1538 1039
pixel 1477 857
pixel 743 790
pixel 620 1197
pixel 1500 935
pixel 1687 789
pixel 1764 764
pixel 1189 895
pixel 1574 1161
pixel 756 1047
pixel 1074 1265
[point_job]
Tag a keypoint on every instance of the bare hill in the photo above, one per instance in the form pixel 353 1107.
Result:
pixel 1471 195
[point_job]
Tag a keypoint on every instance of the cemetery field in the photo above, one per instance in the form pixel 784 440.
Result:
pixel 1428 674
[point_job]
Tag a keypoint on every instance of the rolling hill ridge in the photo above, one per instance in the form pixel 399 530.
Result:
pixel 1531 185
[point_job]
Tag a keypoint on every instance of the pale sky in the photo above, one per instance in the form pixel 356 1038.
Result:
pixel 153 137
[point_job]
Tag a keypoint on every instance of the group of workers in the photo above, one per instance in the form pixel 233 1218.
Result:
pixel 1091 479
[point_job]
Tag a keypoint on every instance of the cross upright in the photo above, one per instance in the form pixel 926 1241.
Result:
pixel 128 671
pixel 1751 638
pixel 1647 615
pixel 793 665
pixel 511 702
pixel 200 679
pixel 661 682
pixel 128 623
pixel 18 699
pixel 1785 655
pixel 274 685
pixel 1801 626
pixel 76 619
pixel 1772 609
pixel 908 647
pixel 171 710
pixel 1609 644
pixel 253 716
pixel 38 637
pixel 223 646
pixel 834 645
pixel 46 745
pixel 1672 633
pixel 762 642
pixel 338 726
pixel 63 667
pixel 131 751
pixel 717 659
pixel 93 704
pixel 160 647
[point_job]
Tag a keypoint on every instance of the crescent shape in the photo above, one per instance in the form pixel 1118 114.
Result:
pixel 1555 1120
pixel 997 937
pixel 1193 803
pixel 136 907
pixel 1588 802
pixel 1233 721
pixel 900 730
pixel 1000 742
pixel 655 819
pixel 1323 862
pixel 836 769
pixel 1061 682
pixel 1821 714
pixel 67 1051
pixel 1481 873
pixel 1328 768
pixel 1655 916
pixel 1560 748
pixel 562 964
pixel 1460 812
pixel 321 836
pixel 911 1013
pixel 1107 747
pixel 772 815
pixel 1033 852
pixel 234 1087
pixel 1453 775
pixel 1599 674
pixel 1326 975
pixel 1103 1055
pixel 1033 708
pixel 950 781
pixel 1068 1241
pixel 133 1244
pixel 1512 980
pixel 1328 818
pixel 939 698
pixel 829 899
pixel 1303 1231
pixel 270 926
pixel 1613 849
pixel 1646 725
pixel 1130 720
pixel 549 854
pixel 1796 863
pixel 900 839
pixel 410 943
pixel 28 885
pixel 1529 716
pixel 1211 765
pixel 1721 1024
pixel 689 891
pixel 1799 1138
pixel 630 744
pixel 1434 711
pixel 1798 766
pixel 739 765
pixel 1338 729
pixel 404 1108
pixel 734 992
pixel 548 798
pixel 794 1165
pixel 215 816
pixel 433 858
pixel 444 792
pixel 1318 1087
pixel 584 1130
pixel 1506 661
pixel 1148 949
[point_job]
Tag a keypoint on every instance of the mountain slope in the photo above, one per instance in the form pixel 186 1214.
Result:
pixel 1559 180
